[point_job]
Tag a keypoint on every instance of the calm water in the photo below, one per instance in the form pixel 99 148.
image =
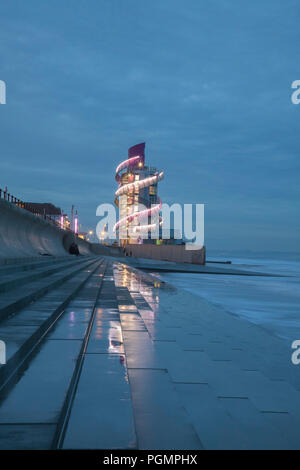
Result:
pixel 271 302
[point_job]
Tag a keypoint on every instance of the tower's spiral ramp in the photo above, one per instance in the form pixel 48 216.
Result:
pixel 131 164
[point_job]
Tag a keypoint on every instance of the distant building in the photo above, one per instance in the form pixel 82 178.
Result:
pixel 45 208
pixel 49 210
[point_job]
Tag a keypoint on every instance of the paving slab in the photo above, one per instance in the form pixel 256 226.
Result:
pixel 161 420
pixel 106 338
pixel 26 436
pixel 264 434
pixel 140 351
pixel 102 415
pixel 40 392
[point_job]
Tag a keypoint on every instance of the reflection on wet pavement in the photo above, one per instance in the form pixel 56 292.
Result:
pixel 162 369
pixel 175 345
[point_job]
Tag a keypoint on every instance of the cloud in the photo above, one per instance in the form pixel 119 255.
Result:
pixel 206 85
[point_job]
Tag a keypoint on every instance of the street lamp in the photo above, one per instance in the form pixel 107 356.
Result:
pixel 76 224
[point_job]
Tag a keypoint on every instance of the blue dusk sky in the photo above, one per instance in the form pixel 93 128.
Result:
pixel 207 85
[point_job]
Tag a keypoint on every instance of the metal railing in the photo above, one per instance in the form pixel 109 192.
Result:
pixel 4 194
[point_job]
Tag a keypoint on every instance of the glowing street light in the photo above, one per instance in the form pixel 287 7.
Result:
pixel 76 223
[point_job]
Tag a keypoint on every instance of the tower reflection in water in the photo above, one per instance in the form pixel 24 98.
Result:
pixel 143 290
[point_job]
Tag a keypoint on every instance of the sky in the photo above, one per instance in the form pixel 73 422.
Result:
pixel 207 86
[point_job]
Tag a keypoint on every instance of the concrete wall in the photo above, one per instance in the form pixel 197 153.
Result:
pixel 176 253
pixel 23 234
pixel 99 249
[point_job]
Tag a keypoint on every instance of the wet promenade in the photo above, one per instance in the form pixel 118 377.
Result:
pixel 110 357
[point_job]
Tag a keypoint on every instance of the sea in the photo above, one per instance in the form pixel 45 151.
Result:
pixel 273 302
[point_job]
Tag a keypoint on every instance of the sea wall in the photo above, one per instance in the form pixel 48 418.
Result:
pixel 23 234
pixel 99 249
pixel 175 253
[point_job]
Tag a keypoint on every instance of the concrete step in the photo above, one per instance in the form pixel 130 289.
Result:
pixel 29 264
pixel 101 415
pixel 30 409
pixel 20 297
pixel 23 331
pixel 9 281
pixel 10 262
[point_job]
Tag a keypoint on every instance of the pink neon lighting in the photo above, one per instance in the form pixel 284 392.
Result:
pixel 76 225
pixel 125 164
pixel 147 228
pixel 134 161
pixel 139 215
pixel 139 184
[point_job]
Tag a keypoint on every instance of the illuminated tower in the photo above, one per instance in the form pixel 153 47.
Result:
pixel 137 197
